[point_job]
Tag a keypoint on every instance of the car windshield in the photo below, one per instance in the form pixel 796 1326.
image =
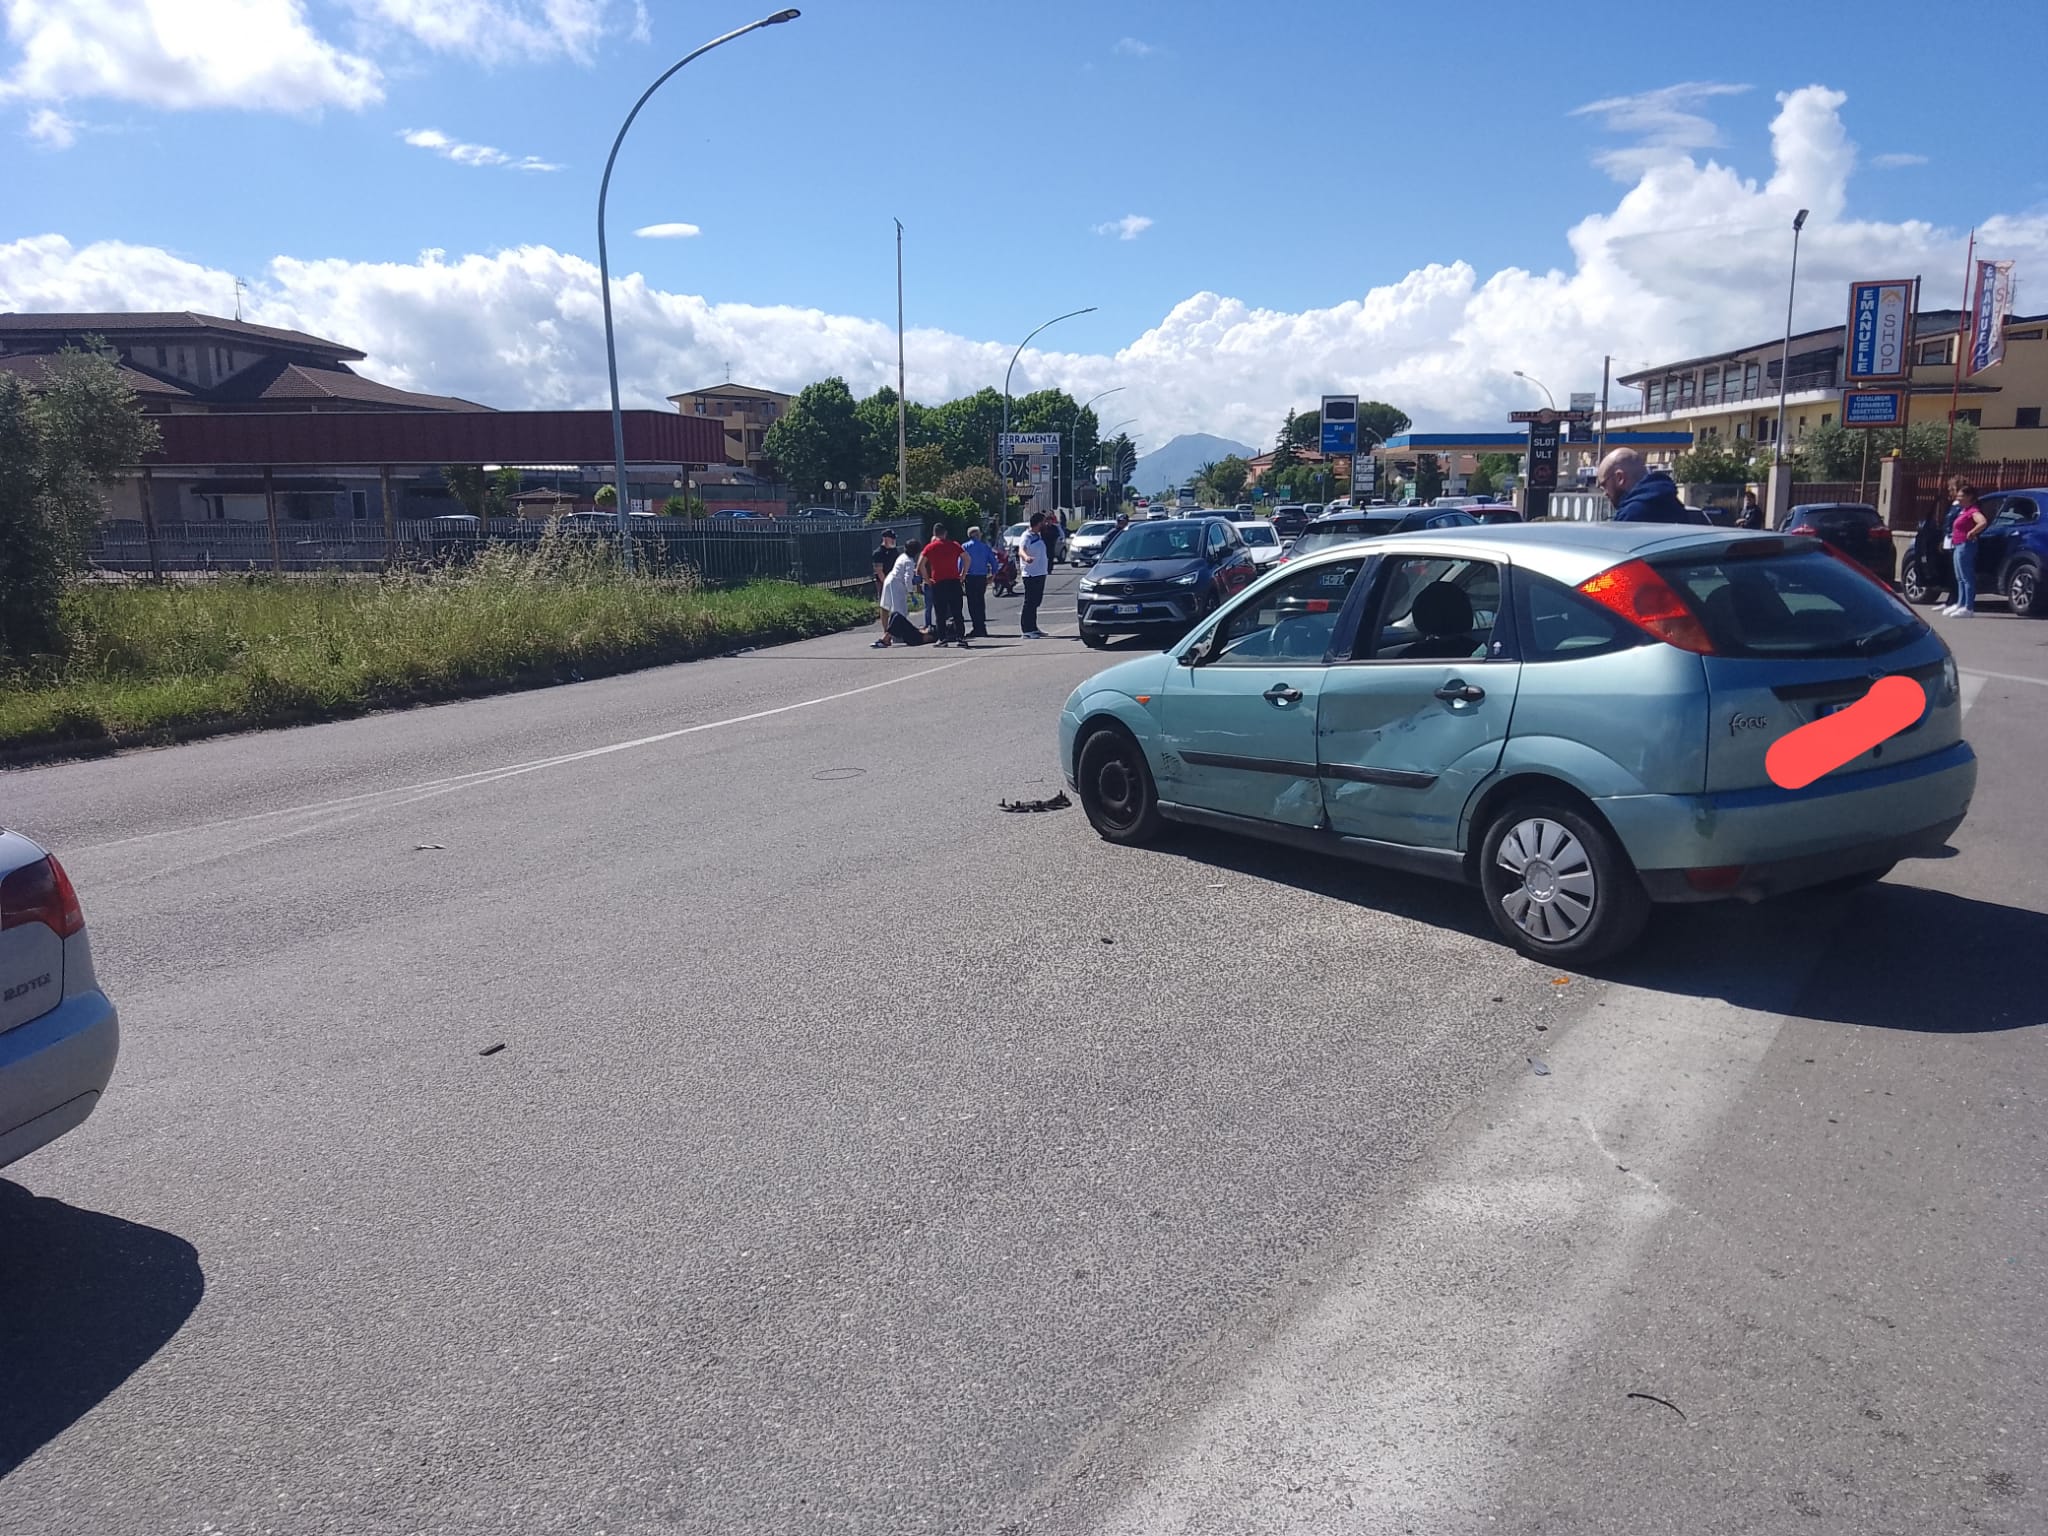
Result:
pixel 1259 535
pixel 1158 541
pixel 1015 530
pixel 1094 528
pixel 1330 535
pixel 1807 604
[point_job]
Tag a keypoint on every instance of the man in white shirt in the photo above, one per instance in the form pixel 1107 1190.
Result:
pixel 1034 563
pixel 895 603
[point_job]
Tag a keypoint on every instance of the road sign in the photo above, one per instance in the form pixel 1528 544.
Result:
pixel 1365 474
pixel 1550 418
pixel 1340 424
pixel 1880 331
pixel 1874 408
pixel 1582 400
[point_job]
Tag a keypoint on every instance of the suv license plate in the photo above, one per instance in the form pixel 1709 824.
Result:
pixel 1125 610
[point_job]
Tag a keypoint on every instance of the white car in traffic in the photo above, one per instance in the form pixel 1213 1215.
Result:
pixel 1085 547
pixel 58 1031
pixel 1261 541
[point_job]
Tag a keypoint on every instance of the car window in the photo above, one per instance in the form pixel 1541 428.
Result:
pixel 1800 603
pixel 1219 541
pixel 1157 541
pixel 1291 620
pixel 1433 608
pixel 1261 536
pixel 2014 511
pixel 1560 625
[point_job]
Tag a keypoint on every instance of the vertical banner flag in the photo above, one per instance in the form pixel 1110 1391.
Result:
pixel 1988 315
pixel 1880 331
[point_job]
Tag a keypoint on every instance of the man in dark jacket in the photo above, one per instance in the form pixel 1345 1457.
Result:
pixel 1638 493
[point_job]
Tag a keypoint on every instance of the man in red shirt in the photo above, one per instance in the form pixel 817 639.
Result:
pixel 943 560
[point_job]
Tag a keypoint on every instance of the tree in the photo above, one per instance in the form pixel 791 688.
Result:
pixel 1303 429
pixel 1226 479
pixel 1120 456
pixel 1378 421
pixel 607 496
pixel 965 429
pixel 980 487
pixel 1429 478
pixel 877 415
pixel 1830 451
pixel 1716 461
pixel 685 506
pixel 927 467
pixel 1497 471
pixel 819 438
pixel 80 428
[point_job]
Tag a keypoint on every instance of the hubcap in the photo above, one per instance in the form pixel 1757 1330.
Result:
pixel 2022 594
pixel 1552 890
pixel 1113 790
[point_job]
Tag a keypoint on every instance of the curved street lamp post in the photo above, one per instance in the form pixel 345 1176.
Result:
pixel 1055 320
pixel 604 275
pixel 1073 440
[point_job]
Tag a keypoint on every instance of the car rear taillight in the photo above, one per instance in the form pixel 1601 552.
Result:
pixel 1804 528
pixel 1636 592
pixel 41 893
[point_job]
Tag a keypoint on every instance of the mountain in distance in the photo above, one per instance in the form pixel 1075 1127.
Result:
pixel 1174 464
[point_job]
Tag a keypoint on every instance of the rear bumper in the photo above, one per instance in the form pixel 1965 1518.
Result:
pixel 53 1070
pixel 1785 840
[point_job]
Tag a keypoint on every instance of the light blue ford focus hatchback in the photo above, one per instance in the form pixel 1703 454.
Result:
pixel 1574 717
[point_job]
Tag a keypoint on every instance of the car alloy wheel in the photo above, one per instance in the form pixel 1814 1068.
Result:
pixel 1553 889
pixel 1914 585
pixel 2023 591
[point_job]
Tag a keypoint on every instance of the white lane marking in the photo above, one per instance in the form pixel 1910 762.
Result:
pixel 1393 1400
pixel 2008 677
pixel 1972 685
pixel 407 794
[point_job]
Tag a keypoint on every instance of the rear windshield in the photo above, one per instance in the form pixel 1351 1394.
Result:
pixel 1806 604
pixel 1343 533
pixel 1259 535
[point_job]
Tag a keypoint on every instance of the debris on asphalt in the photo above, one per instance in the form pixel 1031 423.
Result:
pixel 1107 939
pixel 1058 802
pixel 1560 981
pixel 1538 1067
pixel 1651 1397
pixel 423 847
pixel 492 1050
pixel 1542 1029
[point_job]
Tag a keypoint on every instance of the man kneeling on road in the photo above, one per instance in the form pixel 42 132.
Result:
pixel 895 603
pixel 1638 493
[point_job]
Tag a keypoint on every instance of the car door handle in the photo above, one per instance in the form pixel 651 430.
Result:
pixel 1281 694
pixel 1458 691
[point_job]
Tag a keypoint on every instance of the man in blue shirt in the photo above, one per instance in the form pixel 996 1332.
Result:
pixel 1638 493
pixel 981 564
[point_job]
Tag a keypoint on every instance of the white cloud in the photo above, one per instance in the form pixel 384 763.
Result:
pixel 1894 162
pixel 1662 122
pixel 471 154
pixel 642 30
pixel 668 231
pixel 1690 258
pixel 1129 227
pixel 181 54
pixel 494 31
pixel 52 129
pixel 1130 47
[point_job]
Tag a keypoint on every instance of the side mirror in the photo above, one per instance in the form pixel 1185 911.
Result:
pixel 1197 653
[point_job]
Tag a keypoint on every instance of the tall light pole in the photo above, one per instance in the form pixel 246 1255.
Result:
pixel 604 274
pixel 1785 355
pixel 1547 395
pixel 1055 320
pixel 902 402
pixel 1073 435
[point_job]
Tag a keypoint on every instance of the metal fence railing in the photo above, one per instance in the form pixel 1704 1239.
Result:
pixel 721 551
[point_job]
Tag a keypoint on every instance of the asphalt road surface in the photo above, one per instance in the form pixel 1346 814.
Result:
pixel 861 1158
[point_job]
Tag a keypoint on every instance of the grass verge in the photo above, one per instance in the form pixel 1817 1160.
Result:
pixel 150 664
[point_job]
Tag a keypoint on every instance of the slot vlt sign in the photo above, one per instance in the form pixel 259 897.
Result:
pixel 1880 331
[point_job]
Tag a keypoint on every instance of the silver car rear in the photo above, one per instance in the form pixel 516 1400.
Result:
pixel 59 1033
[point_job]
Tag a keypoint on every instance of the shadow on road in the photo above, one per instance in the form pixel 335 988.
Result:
pixel 84 1300
pixel 1894 956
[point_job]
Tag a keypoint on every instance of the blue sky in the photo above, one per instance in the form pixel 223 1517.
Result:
pixel 1289 157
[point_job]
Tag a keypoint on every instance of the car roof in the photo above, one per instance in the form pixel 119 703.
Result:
pixel 2017 490
pixel 1832 506
pixel 1566 551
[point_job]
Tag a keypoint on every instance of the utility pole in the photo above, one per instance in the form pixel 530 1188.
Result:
pixel 902 404
pixel 1600 440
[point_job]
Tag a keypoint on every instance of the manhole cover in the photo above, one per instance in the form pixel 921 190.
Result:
pixel 839 773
